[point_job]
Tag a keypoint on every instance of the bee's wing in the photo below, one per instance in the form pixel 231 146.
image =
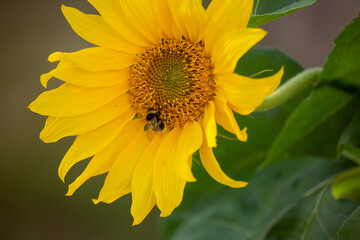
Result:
pixel 157 127
pixel 147 127
pixel 153 125
pixel 151 135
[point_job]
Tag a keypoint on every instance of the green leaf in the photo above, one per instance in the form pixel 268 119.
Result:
pixel 343 63
pixel 266 61
pixel 349 144
pixel 347 184
pixel 352 133
pixel 268 10
pixel 314 129
pixel 350 229
pixel 317 216
pixel 284 202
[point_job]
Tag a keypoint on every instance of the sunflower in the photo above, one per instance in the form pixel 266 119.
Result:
pixel 150 94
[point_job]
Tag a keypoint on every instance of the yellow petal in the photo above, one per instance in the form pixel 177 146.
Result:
pixel 70 73
pixel 193 17
pixel 174 6
pixel 142 16
pixel 225 117
pixel 59 127
pixel 95 59
pixel 209 124
pixel 230 14
pixel 94 29
pixel 225 16
pixel 111 11
pixel 245 94
pixel 143 199
pixel 168 186
pixel 90 143
pixel 165 19
pixel 118 180
pixel 102 161
pixel 190 140
pixel 71 100
pixel 233 46
pixel 213 168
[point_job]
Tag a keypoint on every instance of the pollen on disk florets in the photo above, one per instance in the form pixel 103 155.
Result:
pixel 174 78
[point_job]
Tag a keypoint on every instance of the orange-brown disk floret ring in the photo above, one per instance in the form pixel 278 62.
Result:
pixel 174 78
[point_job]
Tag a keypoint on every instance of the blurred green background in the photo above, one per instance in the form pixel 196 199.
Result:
pixel 33 203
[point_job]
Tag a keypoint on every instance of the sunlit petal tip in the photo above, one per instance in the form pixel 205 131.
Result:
pixel 261 32
pixel 213 143
pixel 277 77
pixel 73 187
pixel 239 184
pixel 61 176
pixel 139 213
pixel 44 137
pixel 186 175
pixel 136 222
pixel 164 214
pixel 140 209
pixel 70 192
pixel 64 8
pixel 56 56
pixel 44 79
pixel 34 107
pixel 213 168
pixel 191 179
pixel 242 135
pixel 95 201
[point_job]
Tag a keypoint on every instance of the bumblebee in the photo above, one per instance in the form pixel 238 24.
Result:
pixel 153 121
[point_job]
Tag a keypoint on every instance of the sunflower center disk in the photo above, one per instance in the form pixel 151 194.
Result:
pixel 173 78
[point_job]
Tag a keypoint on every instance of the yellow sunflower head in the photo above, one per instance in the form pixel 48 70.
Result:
pixel 150 95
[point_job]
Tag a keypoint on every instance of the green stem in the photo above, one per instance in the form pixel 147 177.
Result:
pixel 351 153
pixel 292 87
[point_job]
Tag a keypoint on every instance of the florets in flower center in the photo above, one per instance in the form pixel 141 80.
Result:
pixel 173 78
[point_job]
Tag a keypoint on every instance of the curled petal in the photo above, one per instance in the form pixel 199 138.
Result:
pixel 194 18
pixel 245 94
pixel 143 199
pixel 142 16
pixel 102 161
pixel 225 16
pixel 229 49
pixel 118 180
pixel 70 100
pixel 94 29
pixel 113 14
pixel 91 143
pixel 189 141
pixel 225 117
pixel 59 127
pixel 168 186
pixel 166 19
pixel 70 73
pixel 95 59
pixel 213 168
